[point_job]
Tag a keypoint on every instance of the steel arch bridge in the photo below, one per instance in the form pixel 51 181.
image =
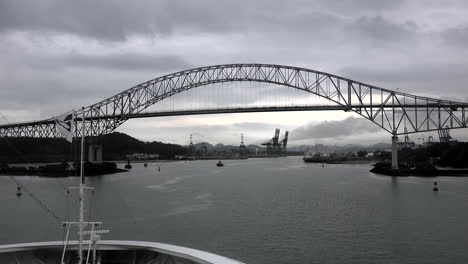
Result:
pixel 387 109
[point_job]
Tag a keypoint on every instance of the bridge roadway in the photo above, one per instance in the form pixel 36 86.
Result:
pixel 258 110
pixel 230 110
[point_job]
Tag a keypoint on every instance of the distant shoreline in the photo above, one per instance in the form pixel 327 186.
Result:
pixel 427 172
pixel 60 170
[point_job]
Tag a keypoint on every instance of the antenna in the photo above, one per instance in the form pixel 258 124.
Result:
pixel 80 253
pixel 242 149
pixel 191 146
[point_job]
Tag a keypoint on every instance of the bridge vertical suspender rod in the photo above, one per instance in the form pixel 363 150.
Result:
pixel 393 114
pixel 463 117
pixel 371 108
pixel 416 113
pixel 349 95
pixel 427 114
pixel 438 114
pixel 381 105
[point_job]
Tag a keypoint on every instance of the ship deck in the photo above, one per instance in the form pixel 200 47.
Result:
pixel 108 251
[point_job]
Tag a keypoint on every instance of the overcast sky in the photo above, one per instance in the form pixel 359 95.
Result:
pixel 59 55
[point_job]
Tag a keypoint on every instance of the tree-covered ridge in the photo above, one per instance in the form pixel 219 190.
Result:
pixel 115 147
pixel 452 154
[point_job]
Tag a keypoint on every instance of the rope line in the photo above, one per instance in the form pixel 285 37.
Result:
pixel 23 187
pixel 35 198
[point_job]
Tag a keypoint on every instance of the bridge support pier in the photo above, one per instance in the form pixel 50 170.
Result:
pixel 95 153
pixel 394 152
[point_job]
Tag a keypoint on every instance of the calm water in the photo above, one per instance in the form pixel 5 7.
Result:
pixel 277 210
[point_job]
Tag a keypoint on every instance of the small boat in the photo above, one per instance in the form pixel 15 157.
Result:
pixel 435 188
pixel 146 164
pixel 219 164
pixel 128 166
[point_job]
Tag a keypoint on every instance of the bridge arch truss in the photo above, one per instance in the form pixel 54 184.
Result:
pixel 394 111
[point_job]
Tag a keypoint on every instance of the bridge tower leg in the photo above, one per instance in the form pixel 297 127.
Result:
pixel 394 152
pixel 91 153
pixel 99 154
pixel 95 153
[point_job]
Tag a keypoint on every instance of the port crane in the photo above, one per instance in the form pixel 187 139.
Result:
pixel 274 145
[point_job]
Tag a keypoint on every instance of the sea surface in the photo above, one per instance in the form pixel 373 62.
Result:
pixel 264 211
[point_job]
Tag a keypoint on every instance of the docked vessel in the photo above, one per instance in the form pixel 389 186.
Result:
pixel 316 157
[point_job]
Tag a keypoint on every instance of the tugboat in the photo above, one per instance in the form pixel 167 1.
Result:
pixel 128 166
pixel 435 188
pixel 219 164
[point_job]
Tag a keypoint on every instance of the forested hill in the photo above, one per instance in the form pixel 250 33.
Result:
pixel 115 147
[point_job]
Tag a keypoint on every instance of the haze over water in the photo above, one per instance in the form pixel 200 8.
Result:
pixel 277 210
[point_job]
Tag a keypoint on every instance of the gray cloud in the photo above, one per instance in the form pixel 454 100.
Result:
pixel 120 61
pixel 443 79
pixel 118 20
pixel 110 20
pixel 254 132
pixel 334 129
pixel 348 6
pixel 58 55
pixel 380 31
pixel 457 36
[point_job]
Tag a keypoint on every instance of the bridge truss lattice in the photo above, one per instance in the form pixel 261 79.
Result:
pixel 391 110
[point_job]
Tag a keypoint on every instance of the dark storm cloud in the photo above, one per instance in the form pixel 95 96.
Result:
pixel 119 61
pixel 48 80
pixel 457 36
pixel 409 73
pixel 353 6
pixel 112 20
pixel 378 29
pixel 438 80
pixel 334 129
pixel 117 20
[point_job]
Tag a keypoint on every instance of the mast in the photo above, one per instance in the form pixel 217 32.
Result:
pixel 80 225
pixel 93 233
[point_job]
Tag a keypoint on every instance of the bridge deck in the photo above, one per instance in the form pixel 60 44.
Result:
pixel 411 107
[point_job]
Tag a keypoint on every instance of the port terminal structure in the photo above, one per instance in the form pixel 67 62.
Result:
pixel 391 110
pixel 275 146
pixel 204 153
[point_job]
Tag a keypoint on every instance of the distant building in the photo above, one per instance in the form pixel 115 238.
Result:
pixel 142 156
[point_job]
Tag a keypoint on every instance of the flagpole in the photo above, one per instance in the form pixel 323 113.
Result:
pixel 80 253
